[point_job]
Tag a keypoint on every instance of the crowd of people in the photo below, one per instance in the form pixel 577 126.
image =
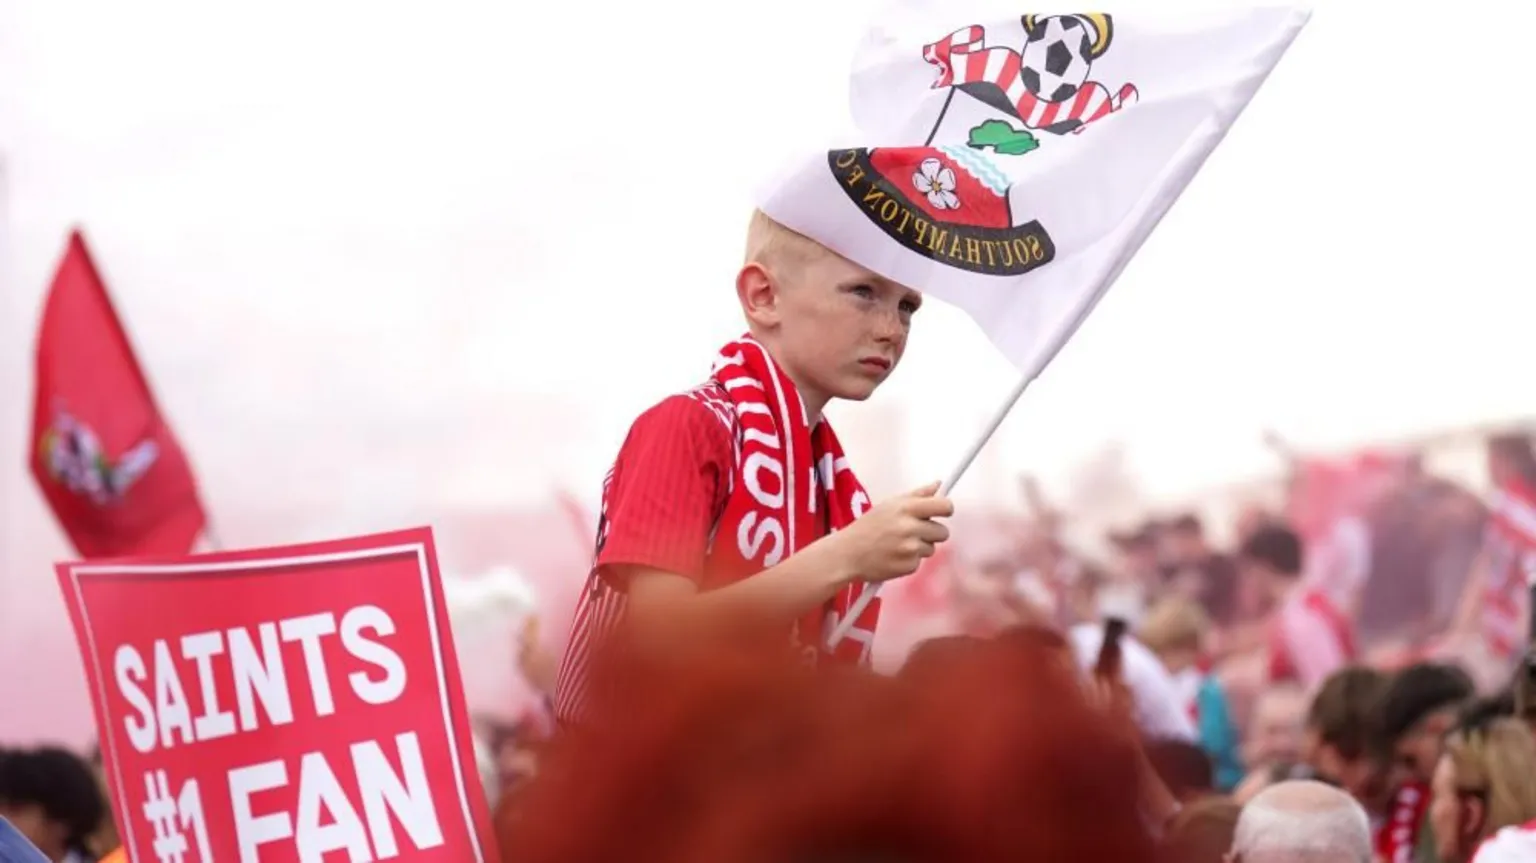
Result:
pixel 1251 668
pixel 1227 728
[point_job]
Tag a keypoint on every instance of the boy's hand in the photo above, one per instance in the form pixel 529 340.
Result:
pixel 892 539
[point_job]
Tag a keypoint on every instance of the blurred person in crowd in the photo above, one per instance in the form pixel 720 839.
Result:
pixel 755 757
pixel 1135 577
pixel 1420 705
pixel 1184 769
pixel 1340 748
pixel 1424 544
pixel 1090 597
pixel 1481 711
pixel 106 834
pixel 1252 517
pixel 1340 729
pixel 1310 637
pixel 1201 832
pixel 1272 740
pixel 1493 618
pixel 820 328
pixel 1301 821
pixel 1485 781
pixel 1154 698
pixel 1176 630
pixel 1424 540
pixel 1195 570
pixel 1522 695
pixel 1509 845
pixel 53 799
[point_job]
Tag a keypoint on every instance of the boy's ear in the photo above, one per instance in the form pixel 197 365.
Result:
pixel 759 296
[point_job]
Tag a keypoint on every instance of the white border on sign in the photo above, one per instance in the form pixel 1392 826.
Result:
pixel 418 549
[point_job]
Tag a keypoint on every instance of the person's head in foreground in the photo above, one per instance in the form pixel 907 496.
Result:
pixel 1485 781
pixel 1341 726
pixel 1421 704
pixel 837 329
pixel 52 798
pixel 981 751
pixel 1302 821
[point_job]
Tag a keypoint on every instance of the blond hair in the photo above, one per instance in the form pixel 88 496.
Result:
pixel 1174 624
pixel 1497 762
pixel 773 246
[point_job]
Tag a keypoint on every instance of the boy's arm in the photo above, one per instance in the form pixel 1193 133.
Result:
pixel 662 604
pixel 888 541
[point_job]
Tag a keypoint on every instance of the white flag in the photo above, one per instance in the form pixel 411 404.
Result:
pixel 1015 162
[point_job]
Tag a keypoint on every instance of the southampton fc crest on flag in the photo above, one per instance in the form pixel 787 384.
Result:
pixel 951 201
pixel 945 203
pixel 1011 164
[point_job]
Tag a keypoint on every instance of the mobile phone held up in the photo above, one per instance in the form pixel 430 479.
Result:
pixel 1108 663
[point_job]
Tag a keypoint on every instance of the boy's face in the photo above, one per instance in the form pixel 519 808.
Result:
pixel 838 329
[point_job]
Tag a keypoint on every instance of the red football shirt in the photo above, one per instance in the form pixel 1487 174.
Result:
pixel 662 497
pixel 668 485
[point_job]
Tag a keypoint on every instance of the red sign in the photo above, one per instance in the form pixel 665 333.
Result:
pixel 283 704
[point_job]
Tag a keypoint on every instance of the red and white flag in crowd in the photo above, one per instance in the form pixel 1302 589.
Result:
pixel 103 455
pixel 1015 163
pixel 1510 549
pixel 284 704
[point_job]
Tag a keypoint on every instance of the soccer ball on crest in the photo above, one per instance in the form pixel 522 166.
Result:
pixel 1058 54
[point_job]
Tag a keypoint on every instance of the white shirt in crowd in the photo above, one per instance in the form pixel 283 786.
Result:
pixel 1160 711
pixel 1510 845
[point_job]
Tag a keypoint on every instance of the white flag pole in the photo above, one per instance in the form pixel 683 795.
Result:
pixel 1143 217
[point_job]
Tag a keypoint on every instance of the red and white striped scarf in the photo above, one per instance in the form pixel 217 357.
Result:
pixel 1398 832
pixel 1511 568
pixel 962 58
pixel 792 485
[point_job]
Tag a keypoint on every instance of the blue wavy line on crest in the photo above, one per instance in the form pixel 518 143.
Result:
pixel 977 165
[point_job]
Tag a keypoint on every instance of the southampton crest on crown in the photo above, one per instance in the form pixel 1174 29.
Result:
pixel 953 200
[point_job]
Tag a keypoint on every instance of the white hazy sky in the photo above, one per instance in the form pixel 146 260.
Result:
pixel 326 222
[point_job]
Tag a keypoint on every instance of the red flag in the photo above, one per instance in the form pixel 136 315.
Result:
pixel 105 459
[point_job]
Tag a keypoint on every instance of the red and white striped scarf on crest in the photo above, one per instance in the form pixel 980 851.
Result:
pixel 792 485
pixel 962 58
pixel 1511 549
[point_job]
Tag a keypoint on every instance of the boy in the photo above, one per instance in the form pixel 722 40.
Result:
pixel 731 508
